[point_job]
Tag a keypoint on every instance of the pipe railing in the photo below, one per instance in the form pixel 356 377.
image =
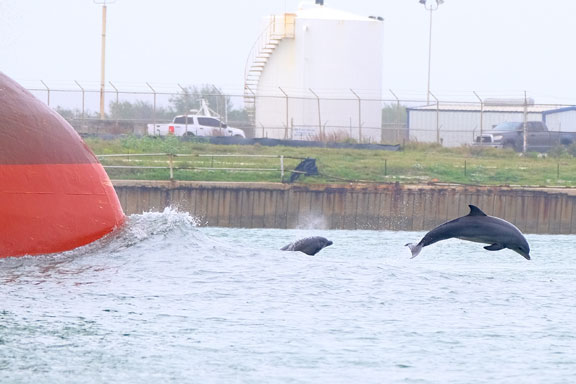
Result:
pixel 172 167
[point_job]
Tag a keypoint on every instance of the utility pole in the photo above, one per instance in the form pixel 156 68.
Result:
pixel 524 142
pixel 103 58
pixel 430 5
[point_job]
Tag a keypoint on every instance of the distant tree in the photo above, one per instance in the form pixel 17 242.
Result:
pixel 68 113
pixel 74 113
pixel 238 116
pixel 138 110
pixel 394 113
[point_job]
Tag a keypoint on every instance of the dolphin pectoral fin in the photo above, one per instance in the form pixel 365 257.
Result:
pixel 415 249
pixel 494 247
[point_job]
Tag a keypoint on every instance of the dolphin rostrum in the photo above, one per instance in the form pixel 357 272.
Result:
pixel 308 245
pixel 480 228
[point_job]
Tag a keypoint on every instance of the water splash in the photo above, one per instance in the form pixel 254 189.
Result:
pixel 150 231
pixel 313 221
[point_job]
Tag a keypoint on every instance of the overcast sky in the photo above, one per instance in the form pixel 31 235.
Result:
pixel 498 48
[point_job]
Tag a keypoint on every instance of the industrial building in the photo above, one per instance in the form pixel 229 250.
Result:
pixel 316 73
pixel 453 125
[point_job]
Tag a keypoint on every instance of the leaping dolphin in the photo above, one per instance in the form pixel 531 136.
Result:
pixel 308 245
pixel 480 228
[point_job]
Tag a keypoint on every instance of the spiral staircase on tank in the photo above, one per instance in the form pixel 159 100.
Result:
pixel 278 28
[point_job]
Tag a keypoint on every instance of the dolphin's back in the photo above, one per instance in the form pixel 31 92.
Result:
pixel 472 227
pixel 308 245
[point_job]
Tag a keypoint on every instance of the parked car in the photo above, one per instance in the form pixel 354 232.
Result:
pixel 510 134
pixel 199 123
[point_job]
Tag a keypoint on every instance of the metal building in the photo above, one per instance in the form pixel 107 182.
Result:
pixel 453 125
pixel 317 73
pixel 561 119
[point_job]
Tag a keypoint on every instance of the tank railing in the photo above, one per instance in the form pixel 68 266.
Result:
pixel 263 39
pixel 255 49
pixel 172 167
pixel 272 30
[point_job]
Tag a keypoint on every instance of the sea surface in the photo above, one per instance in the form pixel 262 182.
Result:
pixel 166 301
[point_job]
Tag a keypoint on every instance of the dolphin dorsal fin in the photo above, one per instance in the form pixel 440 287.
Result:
pixel 475 211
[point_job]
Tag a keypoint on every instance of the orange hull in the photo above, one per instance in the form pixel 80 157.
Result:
pixel 54 194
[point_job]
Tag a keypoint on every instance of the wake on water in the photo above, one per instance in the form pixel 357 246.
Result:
pixel 170 238
pixel 148 229
pixel 151 231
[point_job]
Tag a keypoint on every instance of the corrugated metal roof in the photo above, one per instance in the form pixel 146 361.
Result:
pixel 538 108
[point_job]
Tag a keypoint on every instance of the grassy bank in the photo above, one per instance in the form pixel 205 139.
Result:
pixel 415 163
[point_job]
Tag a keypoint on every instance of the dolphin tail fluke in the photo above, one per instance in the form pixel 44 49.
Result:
pixel 415 249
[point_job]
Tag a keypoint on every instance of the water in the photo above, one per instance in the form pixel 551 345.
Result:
pixel 164 301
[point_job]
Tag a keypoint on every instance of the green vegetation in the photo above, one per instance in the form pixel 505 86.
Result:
pixel 139 109
pixel 191 97
pixel 393 114
pixel 415 163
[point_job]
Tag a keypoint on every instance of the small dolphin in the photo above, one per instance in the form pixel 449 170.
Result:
pixel 308 245
pixel 480 228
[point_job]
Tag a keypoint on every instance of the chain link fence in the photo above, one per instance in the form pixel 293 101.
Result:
pixel 347 115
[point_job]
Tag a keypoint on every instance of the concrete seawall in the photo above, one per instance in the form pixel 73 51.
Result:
pixel 351 206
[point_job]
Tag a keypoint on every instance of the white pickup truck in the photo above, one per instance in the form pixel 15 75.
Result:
pixel 200 123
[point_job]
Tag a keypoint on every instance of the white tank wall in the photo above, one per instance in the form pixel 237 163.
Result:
pixel 457 128
pixel 329 57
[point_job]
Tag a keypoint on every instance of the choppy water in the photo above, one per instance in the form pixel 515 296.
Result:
pixel 166 302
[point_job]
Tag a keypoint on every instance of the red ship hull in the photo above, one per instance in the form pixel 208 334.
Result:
pixel 54 194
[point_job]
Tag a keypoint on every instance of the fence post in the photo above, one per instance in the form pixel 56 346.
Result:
pixel 524 141
pixel 154 107
pixel 437 118
pixel 185 91
pixel 282 168
pixel 219 95
pixel 287 115
pixel 117 93
pixel 395 121
pixel 481 114
pixel 47 92
pixel 359 115
pixel 322 135
pixel 171 162
pixel 263 130
pixel 83 99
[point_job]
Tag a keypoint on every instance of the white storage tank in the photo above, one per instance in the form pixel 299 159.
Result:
pixel 317 74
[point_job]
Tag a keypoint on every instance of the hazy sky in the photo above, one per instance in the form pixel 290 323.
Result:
pixel 498 48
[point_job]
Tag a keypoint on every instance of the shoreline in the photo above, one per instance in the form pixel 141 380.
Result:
pixel 411 207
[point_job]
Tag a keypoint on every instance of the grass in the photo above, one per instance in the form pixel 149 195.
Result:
pixel 415 163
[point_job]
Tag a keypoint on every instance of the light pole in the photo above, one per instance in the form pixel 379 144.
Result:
pixel 103 56
pixel 431 6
